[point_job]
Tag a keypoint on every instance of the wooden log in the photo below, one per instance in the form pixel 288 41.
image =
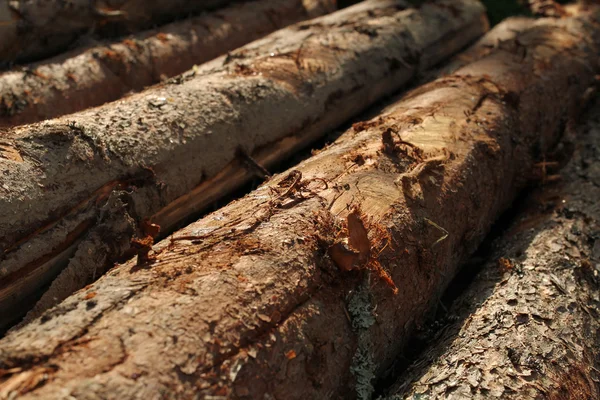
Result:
pixel 547 8
pixel 528 327
pixel 272 295
pixel 98 74
pixel 33 29
pixel 77 189
pixel 503 32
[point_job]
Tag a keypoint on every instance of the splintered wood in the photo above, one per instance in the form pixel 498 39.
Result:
pixel 87 181
pixel 253 301
pixel 356 250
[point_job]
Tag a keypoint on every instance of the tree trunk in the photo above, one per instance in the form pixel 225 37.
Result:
pixel 272 296
pixel 33 29
pixel 529 325
pixel 505 31
pixel 80 187
pixel 95 75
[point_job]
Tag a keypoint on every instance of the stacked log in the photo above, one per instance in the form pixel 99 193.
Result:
pixel 34 29
pixel 528 327
pixel 310 286
pixel 83 190
pixel 97 74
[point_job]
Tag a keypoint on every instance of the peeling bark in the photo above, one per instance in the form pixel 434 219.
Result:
pixel 529 325
pixel 33 29
pixel 91 180
pixel 98 74
pixel 254 301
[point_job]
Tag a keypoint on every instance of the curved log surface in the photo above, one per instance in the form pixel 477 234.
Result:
pixel 309 286
pixel 529 325
pixel 34 29
pixel 78 189
pixel 104 72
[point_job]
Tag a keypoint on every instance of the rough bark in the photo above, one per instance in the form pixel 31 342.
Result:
pixel 32 29
pixel 505 31
pixel 272 296
pixel 101 73
pixel 529 325
pixel 80 187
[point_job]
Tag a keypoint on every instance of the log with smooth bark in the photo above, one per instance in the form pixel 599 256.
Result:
pixel 529 325
pixel 98 74
pixel 272 296
pixel 33 29
pixel 76 189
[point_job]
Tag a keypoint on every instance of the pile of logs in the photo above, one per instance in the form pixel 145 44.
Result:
pixel 528 327
pixel 311 285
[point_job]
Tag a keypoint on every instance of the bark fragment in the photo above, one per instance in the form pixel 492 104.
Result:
pixel 245 303
pixel 101 73
pixel 87 180
pixel 529 325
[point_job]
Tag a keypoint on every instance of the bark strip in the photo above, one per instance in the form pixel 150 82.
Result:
pixel 529 325
pixel 33 29
pixel 167 153
pixel 98 74
pixel 288 292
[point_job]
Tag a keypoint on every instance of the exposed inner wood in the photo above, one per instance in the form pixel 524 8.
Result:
pixel 290 292
pixel 266 99
pixel 528 326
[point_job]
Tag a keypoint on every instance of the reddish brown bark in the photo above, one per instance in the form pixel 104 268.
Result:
pixel 504 32
pixel 78 189
pixel 98 74
pixel 255 300
pixel 529 325
pixel 33 29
